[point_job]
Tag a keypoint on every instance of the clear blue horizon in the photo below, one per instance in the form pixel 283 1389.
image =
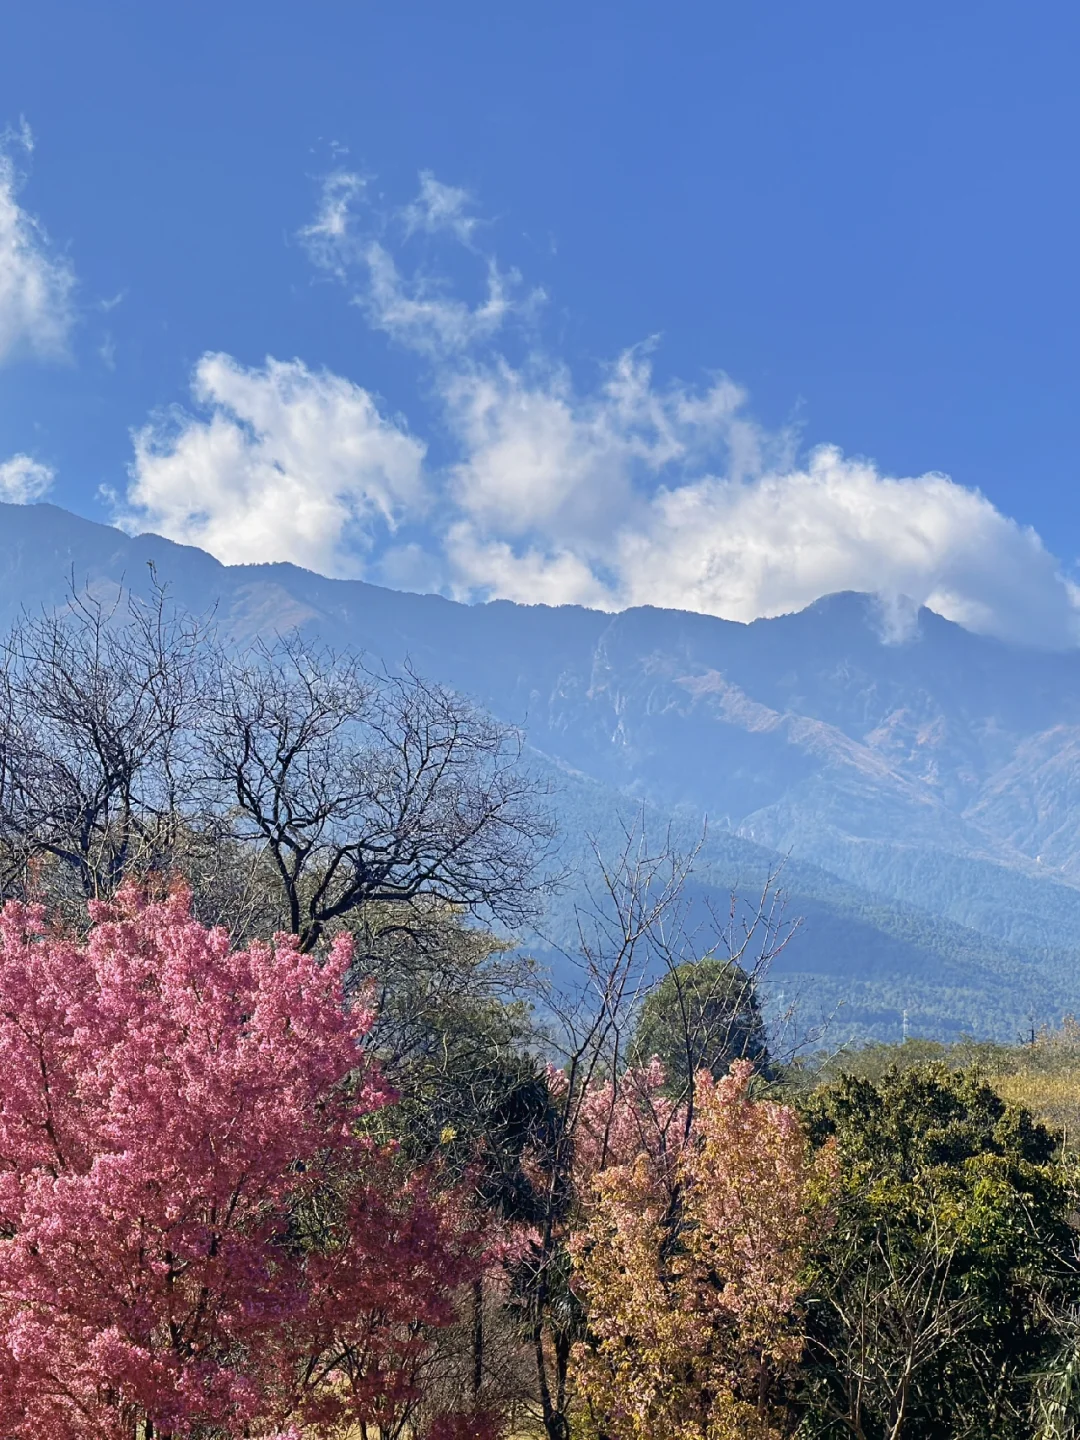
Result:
pixel 559 303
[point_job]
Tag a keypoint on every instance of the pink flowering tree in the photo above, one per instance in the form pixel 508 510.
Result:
pixel 623 1119
pixel 195 1236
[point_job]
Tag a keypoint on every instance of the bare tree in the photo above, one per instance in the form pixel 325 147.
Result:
pixel 97 701
pixel 703 1010
pixel 888 1312
pixel 1056 1392
pixel 362 787
pixel 287 784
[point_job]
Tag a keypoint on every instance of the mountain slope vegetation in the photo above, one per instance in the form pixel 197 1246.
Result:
pixel 918 784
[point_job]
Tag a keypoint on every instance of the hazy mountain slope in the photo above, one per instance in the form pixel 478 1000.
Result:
pixel 860 958
pixel 923 786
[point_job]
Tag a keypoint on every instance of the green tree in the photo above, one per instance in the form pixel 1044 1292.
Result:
pixel 458 1043
pixel 701 1016
pixel 926 1314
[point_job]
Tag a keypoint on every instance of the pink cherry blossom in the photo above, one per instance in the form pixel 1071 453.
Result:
pixel 194 1229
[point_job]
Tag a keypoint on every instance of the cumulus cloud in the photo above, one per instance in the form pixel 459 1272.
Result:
pixel 772 544
pixel 778 542
pixel 636 494
pixel 283 463
pixel 640 496
pixel 23 480
pixel 36 284
pixel 621 491
pixel 540 456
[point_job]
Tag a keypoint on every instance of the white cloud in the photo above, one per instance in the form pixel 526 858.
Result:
pixel 287 464
pixel 634 495
pixel 537 455
pixel 778 542
pixel 440 207
pixel 416 308
pixel 532 574
pixel 36 284
pixel 23 480
pixel 624 492
pixel 638 496
pixel 328 238
pixel 418 312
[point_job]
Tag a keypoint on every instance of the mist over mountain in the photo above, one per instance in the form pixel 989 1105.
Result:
pixel 922 781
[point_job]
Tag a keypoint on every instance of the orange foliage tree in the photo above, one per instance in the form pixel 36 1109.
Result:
pixel 689 1262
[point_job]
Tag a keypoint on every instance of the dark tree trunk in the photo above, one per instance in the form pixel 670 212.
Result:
pixel 478 1334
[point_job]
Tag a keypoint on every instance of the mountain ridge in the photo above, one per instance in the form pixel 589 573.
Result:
pixel 934 774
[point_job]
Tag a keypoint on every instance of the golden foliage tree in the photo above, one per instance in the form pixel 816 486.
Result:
pixel 689 1268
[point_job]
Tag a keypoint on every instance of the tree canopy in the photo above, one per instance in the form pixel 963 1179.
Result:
pixel 927 1301
pixel 195 1230
pixel 702 1015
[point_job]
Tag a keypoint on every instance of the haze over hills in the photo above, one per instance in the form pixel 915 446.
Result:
pixel 924 781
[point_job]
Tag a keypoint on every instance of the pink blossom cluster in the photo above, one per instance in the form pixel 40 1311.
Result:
pixel 624 1119
pixel 193 1229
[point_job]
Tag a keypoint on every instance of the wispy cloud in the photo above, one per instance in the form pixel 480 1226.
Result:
pixel 329 237
pixel 440 207
pixel 353 240
pixel 613 491
pixel 24 480
pixel 36 283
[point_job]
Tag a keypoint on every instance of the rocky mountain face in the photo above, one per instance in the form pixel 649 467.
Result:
pixel 924 781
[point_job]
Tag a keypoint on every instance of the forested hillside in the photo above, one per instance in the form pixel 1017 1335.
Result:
pixel 912 779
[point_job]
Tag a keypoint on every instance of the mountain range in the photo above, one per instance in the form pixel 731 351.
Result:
pixel 918 783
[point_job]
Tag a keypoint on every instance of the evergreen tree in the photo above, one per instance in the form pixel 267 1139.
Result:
pixel 703 1015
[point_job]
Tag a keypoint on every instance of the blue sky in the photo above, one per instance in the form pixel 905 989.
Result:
pixel 558 302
